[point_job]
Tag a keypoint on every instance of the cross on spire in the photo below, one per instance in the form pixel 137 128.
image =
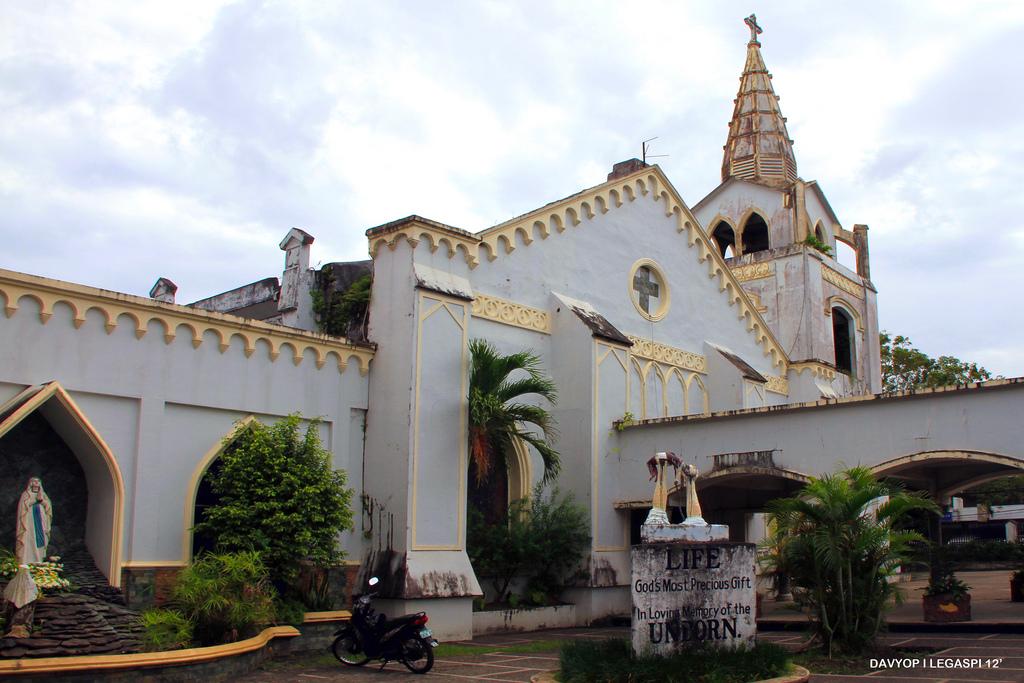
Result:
pixel 645 287
pixel 751 22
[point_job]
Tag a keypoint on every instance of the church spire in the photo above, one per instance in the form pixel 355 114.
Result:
pixel 758 147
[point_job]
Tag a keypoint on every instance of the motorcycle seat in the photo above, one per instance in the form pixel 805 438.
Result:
pixel 404 619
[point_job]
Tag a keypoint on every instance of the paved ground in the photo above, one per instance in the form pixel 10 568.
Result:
pixel 990 602
pixel 987 657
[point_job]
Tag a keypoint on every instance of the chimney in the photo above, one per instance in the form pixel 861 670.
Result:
pixel 625 168
pixel 295 246
pixel 164 290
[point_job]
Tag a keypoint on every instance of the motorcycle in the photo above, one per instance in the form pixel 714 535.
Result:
pixel 369 635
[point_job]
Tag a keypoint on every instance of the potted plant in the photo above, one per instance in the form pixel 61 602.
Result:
pixel 946 598
pixel 1017 586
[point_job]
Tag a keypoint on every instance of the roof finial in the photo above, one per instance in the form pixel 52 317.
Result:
pixel 751 22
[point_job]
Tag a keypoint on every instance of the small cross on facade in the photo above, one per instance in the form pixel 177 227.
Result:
pixel 645 287
pixel 751 22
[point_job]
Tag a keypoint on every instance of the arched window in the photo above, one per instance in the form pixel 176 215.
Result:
pixel 725 239
pixel 755 234
pixel 819 233
pixel 843 341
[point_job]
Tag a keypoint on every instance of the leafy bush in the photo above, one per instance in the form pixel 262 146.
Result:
pixel 612 661
pixel 840 555
pixel 337 311
pixel 942 580
pixel 544 538
pixel 46 575
pixel 279 495
pixel 226 596
pixel 813 242
pixel 165 629
pixel 984 551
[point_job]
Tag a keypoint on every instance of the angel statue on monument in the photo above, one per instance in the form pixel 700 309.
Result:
pixel 35 516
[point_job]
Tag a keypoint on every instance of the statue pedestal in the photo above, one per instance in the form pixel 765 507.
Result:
pixel 659 533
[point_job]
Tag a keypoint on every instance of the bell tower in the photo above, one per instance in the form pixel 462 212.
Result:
pixel 778 234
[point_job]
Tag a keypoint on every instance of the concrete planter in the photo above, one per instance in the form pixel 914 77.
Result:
pixel 525 619
pixel 943 609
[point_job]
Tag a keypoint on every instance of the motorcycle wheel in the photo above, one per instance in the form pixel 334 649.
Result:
pixel 417 655
pixel 348 651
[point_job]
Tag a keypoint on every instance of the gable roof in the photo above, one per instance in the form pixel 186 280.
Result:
pixel 646 183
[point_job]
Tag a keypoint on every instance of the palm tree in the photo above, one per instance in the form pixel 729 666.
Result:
pixel 841 554
pixel 497 415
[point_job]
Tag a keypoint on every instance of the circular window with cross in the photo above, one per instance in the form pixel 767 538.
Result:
pixel 648 289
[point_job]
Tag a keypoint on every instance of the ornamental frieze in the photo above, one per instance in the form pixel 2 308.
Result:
pixel 753 271
pixel 652 350
pixel 511 313
pixel 842 282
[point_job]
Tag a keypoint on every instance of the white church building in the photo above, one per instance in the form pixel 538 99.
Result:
pixel 721 331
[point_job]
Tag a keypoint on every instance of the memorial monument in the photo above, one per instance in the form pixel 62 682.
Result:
pixel 691 586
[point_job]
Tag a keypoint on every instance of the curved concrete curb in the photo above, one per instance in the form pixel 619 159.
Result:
pixel 799 675
pixel 145 660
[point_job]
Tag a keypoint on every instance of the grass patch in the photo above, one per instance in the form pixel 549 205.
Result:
pixel 613 661
pixel 458 649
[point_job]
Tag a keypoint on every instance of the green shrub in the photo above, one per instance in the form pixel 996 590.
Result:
pixel 336 311
pixel 543 538
pixel 613 661
pixel 289 611
pixel 226 596
pixel 279 495
pixel 841 556
pixel 165 629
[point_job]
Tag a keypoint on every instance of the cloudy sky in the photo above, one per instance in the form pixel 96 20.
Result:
pixel 183 139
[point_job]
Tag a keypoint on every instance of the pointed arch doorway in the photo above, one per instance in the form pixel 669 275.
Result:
pixel 47 435
pixel 507 482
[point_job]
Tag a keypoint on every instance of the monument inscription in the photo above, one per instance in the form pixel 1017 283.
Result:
pixel 686 594
pixel 691 585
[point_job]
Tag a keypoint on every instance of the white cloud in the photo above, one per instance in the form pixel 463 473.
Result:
pixel 185 139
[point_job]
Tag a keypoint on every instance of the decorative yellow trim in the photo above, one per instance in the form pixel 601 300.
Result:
pixel 756 300
pixel 595 474
pixel 511 313
pixel 521 472
pixel 332 615
pixel 196 322
pixel 68 665
pixel 413 231
pixel 429 304
pixel 842 282
pixel 664 300
pixel 55 391
pixel 753 271
pixel 649 182
pixel 663 353
pixel 777 384
pixel 846 306
pixel 816 368
pixel 197 474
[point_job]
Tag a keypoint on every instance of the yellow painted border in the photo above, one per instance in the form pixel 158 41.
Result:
pixel 172 317
pixel 838 301
pixel 55 391
pixel 204 463
pixel 557 217
pixel 436 303
pixel 595 476
pixel 511 313
pixel 195 655
pixel 665 303
pixel 332 615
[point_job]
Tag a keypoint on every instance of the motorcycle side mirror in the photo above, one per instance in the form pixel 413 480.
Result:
pixel 373 581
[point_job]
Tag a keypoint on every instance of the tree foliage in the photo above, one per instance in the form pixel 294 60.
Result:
pixel 905 367
pixel 279 495
pixel 497 414
pixel 544 538
pixel 840 556
pixel 336 311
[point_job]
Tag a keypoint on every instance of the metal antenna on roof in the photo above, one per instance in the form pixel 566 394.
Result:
pixel 644 146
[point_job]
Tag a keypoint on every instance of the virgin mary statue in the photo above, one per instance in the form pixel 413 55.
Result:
pixel 35 514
